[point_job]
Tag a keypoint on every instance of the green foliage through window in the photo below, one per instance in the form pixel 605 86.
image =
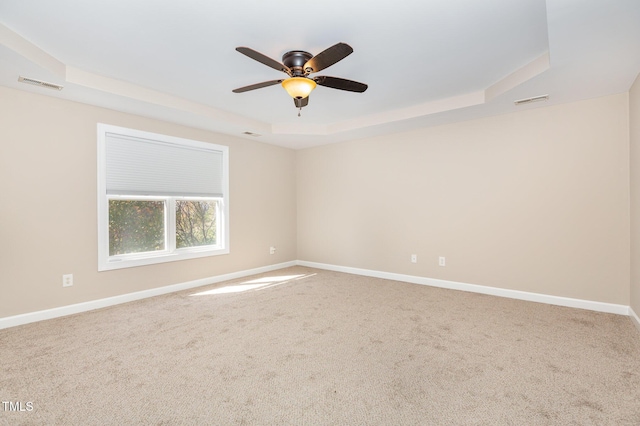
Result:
pixel 135 226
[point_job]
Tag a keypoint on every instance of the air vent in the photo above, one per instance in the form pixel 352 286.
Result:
pixel 39 83
pixel 255 135
pixel 534 99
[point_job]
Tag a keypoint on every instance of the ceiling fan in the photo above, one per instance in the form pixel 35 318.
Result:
pixel 298 64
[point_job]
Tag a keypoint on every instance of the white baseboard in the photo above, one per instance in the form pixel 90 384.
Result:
pixel 634 318
pixel 474 288
pixel 130 297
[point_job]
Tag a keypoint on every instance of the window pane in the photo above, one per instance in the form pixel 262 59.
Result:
pixel 195 223
pixel 135 226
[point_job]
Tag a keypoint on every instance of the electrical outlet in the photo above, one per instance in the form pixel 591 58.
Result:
pixel 67 280
pixel 441 261
pixel 272 250
pixel 414 258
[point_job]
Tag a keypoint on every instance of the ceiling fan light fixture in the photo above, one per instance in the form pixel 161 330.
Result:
pixel 299 87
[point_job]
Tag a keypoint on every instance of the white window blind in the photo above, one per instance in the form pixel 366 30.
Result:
pixel 138 166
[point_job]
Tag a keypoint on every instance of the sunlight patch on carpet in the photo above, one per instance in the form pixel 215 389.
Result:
pixel 257 284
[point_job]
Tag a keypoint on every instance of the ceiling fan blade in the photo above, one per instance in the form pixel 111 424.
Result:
pixel 256 86
pixel 301 102
pixel 264 59
pixel 340 83
pixel 328 57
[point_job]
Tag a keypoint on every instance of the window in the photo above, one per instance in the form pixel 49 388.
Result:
pixel 160 198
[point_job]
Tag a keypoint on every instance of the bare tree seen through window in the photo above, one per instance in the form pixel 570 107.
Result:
pixel 195 223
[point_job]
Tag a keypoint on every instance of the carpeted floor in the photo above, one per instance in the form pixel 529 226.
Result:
pixel 302 346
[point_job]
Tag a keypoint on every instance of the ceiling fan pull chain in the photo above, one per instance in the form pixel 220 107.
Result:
pixel 299 111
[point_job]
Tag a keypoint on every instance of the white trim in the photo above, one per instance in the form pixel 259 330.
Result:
pixel 474 288
pixel 634 318
pixel 130 297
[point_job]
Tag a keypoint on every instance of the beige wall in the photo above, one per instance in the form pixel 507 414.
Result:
pixel 48 209
pixel 634 133
pixel 537 201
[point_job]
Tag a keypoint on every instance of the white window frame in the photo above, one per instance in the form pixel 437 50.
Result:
pixel 170 253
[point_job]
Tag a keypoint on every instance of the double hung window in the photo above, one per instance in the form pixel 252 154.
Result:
pixel 160 198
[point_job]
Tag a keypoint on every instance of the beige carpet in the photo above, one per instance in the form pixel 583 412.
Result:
pixel 324 348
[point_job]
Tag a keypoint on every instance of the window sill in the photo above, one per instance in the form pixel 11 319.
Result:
pixel 152 259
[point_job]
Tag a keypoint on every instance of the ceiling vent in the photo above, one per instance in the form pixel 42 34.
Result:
pixel 39 83
pixel 534 99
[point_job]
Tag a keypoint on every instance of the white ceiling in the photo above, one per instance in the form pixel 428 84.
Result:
pixel 426 62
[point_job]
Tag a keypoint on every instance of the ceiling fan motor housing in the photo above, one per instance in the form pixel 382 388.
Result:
pixel 295 61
